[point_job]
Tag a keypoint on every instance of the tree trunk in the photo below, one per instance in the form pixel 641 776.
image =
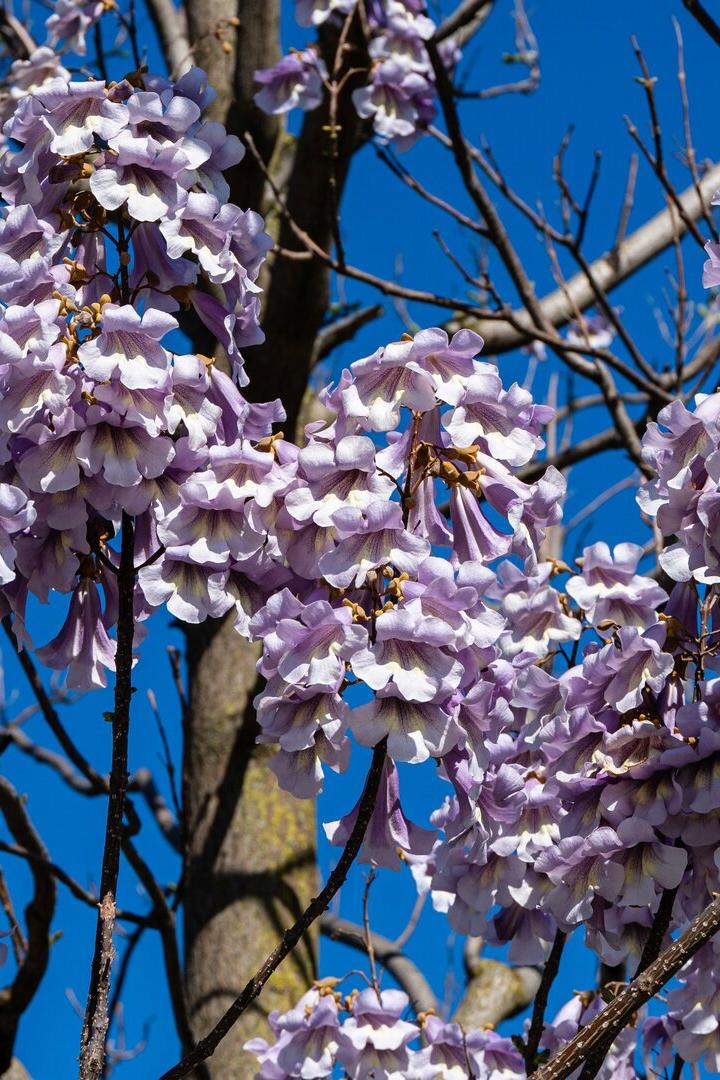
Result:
pixel 250 852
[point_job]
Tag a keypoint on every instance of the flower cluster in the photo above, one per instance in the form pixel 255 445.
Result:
pixel 399 96
pixel 115 216
pixel 367 1033
pixel 372 608
pixel 391 565
pixel 684 496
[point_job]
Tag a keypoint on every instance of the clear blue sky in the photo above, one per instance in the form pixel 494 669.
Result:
pixel 588 80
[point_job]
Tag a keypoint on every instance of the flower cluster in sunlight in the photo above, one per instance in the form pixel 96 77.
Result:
pixel 398 95
pixel 393 565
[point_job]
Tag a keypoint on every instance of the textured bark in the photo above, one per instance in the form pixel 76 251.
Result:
pixel 230 55
pixel 16 996
pixel 250 850
pixel 494 991
pixel 251 854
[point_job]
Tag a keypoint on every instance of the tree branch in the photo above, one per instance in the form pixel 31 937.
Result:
pixel 342 330
pixel 171 956
pixel 95 1024
pixel 495 991
pixel 703 17
pixel 608 1024
pixel 552 966
pixel 471 13
pixel 608 271
pixel 50 713
pixel 207 1046
pixel 15 998
pixel 14 33
pixel 74 887
pixel 171 24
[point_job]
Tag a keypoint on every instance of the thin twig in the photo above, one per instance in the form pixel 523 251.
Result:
pixel 369 948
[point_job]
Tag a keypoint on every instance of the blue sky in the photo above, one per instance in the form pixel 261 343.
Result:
pixel 588 80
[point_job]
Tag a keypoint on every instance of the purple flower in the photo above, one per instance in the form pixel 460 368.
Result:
pixel 388 832
pixel 41 66
pixel 316 12
pixel 579 868
pixel 415 731
pixel 82 645
pixel 122 455
pixel 394 100
pixel 450 1051
pixel 16 514
pixel 190 591
pixel 474 539
pixel 534 615
pixel 374 1040
pixel 449 363
pixel 307 1039
pixel 624 669
pixel 70 21
pixel 505 423
pixel 295 81
pixel 310 728
pixel 408 655
pixel 128 348
pixel 75 113
pixel 343 475
pixel 311 647
pixel 370 538
pixel 695 1007
pixel 711 268
pixel 384 382
pixel 609 587
pixel 141 175
pixel 211 530
pixel 594 331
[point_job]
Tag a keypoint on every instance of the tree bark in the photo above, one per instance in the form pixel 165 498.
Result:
pixel 250 865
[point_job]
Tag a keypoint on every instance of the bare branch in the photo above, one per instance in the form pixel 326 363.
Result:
pixel 171 956
pixel 703 17
pixel 552 966
pixel 16 997
pixel 608 1024
pixel 50 713
pixel 95 1023
pixel 207 1046
pixel 470 14
pixel 172 28
pixel 495 991
pixel 14 33
pixel 17 737
pixel 609 271
pixel 75 888
pixel 387 288
pixel 342 330
pixel 144 782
